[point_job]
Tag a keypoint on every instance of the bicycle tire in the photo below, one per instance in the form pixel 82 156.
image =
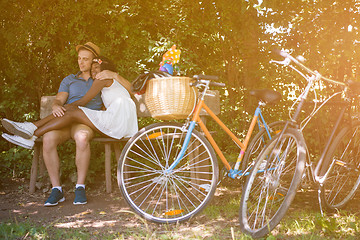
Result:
pixel 258 143
pixel 163 197
pixel 343 169
pixel 272 183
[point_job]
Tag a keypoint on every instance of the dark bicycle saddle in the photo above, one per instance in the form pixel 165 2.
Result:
pixel 266 95
pixel 139 84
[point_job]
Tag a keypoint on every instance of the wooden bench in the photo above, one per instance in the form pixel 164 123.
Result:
pixel 213 101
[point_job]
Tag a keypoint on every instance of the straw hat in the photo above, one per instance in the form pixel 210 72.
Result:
pixel 91 47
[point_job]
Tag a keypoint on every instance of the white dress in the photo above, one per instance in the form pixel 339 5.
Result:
pixel 119 119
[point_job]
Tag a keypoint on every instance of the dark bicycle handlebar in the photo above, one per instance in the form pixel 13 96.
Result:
pixel 290 58
pixel 217 84
pixel 206 77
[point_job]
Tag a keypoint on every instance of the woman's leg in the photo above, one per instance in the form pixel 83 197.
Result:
pixel 43 121
pixel 24 129
pixel 70 117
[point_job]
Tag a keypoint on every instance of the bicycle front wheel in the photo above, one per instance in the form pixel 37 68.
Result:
pixel 343 175
pixel 272 183
pixel 167 196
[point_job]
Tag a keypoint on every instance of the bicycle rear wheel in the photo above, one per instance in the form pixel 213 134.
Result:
pixel 161 196
pixel 272 183
pixel 258 143
pixel 343 174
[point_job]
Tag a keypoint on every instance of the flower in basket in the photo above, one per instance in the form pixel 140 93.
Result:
pixel 170 58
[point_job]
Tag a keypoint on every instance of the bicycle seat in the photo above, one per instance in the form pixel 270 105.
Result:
pixel 266 95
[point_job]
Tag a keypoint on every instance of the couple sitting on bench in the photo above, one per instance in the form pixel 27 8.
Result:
pixel 76 113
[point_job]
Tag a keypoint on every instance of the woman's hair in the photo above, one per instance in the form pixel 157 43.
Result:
pixel 105 63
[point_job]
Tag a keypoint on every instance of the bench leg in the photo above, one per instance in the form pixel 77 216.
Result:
pixel 42 167
pixel 108 167
pixel 117 151
pixel 34 167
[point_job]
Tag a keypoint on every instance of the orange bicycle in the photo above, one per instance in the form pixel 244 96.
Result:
pixel 168 172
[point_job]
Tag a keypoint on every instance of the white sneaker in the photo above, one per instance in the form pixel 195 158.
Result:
pixel 22 129
pixel 20 141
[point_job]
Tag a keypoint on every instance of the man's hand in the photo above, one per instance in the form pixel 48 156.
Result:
pixel 57 107
pixel 58 111
pixel 106 74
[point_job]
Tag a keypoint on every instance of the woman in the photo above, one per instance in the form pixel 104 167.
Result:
pixel 117 121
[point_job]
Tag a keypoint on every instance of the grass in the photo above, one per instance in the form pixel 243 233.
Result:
pixel 219 220
pixel 311 225
pixel 229 210
pixel 301 224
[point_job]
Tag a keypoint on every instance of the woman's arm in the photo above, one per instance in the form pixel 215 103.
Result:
pixel 93 91
pixel 106 74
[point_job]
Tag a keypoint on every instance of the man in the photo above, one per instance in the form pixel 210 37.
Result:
pixel 72 88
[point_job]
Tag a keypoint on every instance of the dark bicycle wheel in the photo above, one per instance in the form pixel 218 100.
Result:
pixel 160 195
pixel 272 183
pixel 342 177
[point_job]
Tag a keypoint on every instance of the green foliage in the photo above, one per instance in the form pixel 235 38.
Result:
pixel 231 39
pixel 16 162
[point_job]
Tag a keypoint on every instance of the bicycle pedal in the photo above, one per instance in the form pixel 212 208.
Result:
pixel 277 196
pixel 159 180
pixel 306 185
pixel 340 163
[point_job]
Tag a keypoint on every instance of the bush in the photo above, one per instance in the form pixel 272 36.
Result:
pixel 16 162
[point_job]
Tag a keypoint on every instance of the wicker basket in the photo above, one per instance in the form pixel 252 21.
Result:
pixel 170 98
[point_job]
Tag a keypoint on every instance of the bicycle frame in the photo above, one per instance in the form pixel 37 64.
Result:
pixel 242 145
pixel 319 173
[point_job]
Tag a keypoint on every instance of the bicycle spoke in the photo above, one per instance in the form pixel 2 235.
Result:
pixel 272 184
pixel 164 195
pixel 342 177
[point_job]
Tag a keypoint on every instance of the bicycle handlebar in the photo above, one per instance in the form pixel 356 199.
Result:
pixel 288 59
pixel 206 77
pixel 209 78
pixel 217 84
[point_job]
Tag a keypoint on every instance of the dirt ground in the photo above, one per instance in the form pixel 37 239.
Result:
pixel 103 210
pixel 110 213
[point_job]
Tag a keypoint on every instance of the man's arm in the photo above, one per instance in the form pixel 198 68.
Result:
pixel 106 74
pixel 58 109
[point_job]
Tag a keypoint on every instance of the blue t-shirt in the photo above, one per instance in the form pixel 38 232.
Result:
pixel 77 87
